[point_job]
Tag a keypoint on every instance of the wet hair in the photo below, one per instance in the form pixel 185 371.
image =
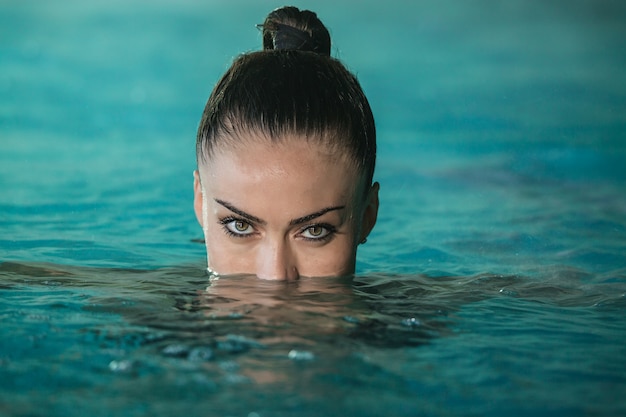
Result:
pixel 290 28
pixel 291 88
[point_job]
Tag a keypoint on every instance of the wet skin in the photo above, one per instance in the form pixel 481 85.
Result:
pixel 282 210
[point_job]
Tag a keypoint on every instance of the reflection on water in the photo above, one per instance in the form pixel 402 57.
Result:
pixel 151 341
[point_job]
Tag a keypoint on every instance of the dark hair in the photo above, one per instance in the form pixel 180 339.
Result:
pixel 291 88
pixel 290 28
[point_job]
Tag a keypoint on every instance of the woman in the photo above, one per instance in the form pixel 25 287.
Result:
pixel 286 150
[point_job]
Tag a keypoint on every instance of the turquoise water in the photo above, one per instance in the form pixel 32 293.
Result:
pixel 494 282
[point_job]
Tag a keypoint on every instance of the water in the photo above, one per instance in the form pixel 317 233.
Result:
pixel 494 282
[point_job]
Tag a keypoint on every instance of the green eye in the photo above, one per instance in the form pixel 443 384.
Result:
pixel 317 232
pixel 240 226
pixel 237 227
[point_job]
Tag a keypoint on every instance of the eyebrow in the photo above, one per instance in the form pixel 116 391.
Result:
pixel 315 215
pixel 293 222
pixel 242 213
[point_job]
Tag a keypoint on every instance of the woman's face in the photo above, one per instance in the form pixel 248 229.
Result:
pixel 281 211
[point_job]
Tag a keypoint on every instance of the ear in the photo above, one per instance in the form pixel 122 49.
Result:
pixel 370 214
pixel 198 198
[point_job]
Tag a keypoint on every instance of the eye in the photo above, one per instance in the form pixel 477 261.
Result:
pixel 237 227
pixel 318 232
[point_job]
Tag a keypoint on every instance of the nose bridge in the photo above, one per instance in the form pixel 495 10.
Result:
pixel 276 260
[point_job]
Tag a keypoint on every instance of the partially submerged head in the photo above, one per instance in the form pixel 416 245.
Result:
pixel 286 150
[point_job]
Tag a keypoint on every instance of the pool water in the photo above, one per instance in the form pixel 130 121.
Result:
pixel 494 282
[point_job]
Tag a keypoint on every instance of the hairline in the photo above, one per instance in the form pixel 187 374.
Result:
pixel 342 152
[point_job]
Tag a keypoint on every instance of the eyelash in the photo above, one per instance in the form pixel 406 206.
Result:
pixel 227 220
pixel 330 229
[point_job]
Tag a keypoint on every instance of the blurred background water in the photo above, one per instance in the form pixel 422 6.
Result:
pixel 501 151
pixel 489 114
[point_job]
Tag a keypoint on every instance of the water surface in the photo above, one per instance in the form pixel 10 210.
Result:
pixel 493 283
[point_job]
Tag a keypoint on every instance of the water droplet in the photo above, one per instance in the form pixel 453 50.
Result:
pixel 411 322
pixel 301 355
pixel 121 366
pixel 509 293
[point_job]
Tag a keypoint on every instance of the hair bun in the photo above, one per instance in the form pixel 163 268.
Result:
pixel 290 28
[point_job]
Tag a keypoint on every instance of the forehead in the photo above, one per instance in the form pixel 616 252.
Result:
pixel 258 169
pixel 251 150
